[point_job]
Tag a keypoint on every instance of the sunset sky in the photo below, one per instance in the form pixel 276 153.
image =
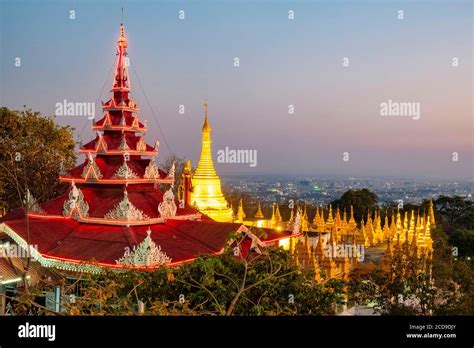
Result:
pixel 282 62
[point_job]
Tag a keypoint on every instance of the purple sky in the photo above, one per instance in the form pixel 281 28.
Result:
pixel 282 62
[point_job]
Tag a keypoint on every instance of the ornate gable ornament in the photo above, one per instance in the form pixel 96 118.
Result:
pixel 135 122
pixel 145 254
pixel 107 122
pixel 141 145
pixel 123 144
pixel 91 169
pixel 151 171
pixel 171 172
pixel 125 210
pixel 167 208
pixel 75 205
pixel 124 172
pixel 297 224
pixel 32 204
pixel 101 144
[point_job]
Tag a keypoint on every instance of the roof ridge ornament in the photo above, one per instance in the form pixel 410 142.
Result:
pixel 91 166
pixel 167 208
pixel 125 172
pixel 101 144
pixel 141 145
pixel 126 211
pixel 145 254
pixel 75 206
pixel 123 144
pixel 172 171
pixel 152 171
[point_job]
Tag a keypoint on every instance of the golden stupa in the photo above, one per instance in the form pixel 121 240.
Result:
pixel 206 192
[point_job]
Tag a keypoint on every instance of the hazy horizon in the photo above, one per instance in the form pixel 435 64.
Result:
pixel 282 62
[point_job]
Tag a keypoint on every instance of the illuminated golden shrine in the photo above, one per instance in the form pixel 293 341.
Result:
pixel 408 234
pixel 206 193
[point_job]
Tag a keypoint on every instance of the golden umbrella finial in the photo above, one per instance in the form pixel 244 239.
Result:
pixel 206 126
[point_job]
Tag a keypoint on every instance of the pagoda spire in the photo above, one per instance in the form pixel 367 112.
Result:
pixel 207 193
pixel 352 222
pixel 206 127
pixel 277 214
pixel 330 220
pixel 121 82
pixel 259 214
pixel 240 211
pixel 431 213
pixel 316 217
pixel 205 166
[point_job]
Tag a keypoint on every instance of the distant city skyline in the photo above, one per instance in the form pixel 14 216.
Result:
pixel 283 62
pixel 321 191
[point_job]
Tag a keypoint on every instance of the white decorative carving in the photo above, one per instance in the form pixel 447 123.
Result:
pixel 32 204
pixel 141 145
pixel 75 205
pixel 123 144
pixel 151 171
pixel 168 207
pixel 297 224
pixel 124 172
pixel 135 121
pixel 145 254
pixel 171 172
pixel 125 210
pixel 101 144
pixel 91 167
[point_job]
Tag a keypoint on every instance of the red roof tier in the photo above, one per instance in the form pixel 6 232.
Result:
pixel 119 121
pixel 72 242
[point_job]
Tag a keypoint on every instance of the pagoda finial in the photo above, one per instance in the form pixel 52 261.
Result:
pixel 206 126
pixel 431 213
pixel 122 41
pixel 121 82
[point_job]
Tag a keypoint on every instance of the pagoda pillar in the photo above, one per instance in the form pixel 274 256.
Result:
pixel 187 183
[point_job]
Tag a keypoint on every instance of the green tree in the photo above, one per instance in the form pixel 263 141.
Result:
pixel 268 283
pixel 179 163
pixel 456 212
pixel 363 201
pixel 33 151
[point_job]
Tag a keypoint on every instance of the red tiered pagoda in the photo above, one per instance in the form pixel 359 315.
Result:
pixel 114 215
